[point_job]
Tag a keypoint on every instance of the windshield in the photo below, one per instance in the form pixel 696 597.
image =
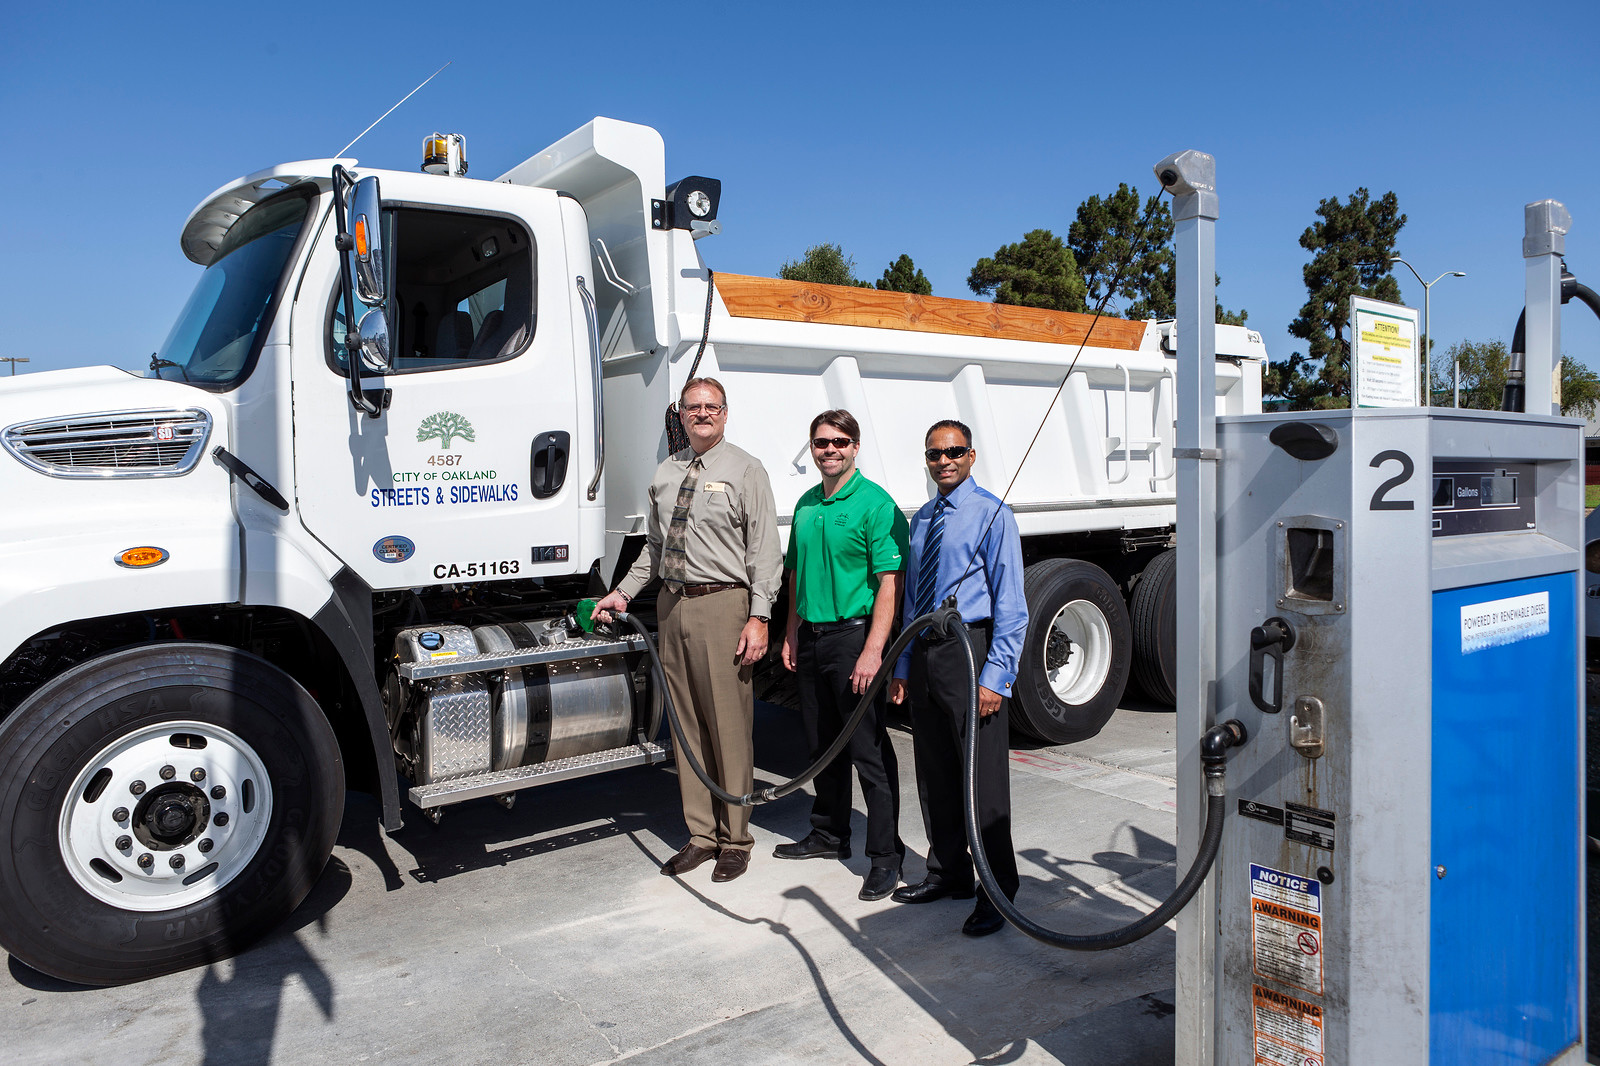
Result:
pixel 214 338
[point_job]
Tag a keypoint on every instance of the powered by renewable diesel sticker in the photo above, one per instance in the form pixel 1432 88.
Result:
pixel 1286 927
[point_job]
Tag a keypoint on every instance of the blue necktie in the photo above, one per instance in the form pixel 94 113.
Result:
pixel 928 569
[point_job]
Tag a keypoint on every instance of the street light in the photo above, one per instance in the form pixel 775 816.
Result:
pixel 1427 335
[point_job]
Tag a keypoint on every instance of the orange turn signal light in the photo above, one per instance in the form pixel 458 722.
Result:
pixel 361 237
pixel 143 556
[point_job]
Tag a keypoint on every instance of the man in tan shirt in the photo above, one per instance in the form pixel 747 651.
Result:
pixel 713 540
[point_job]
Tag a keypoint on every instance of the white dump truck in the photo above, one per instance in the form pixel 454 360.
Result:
pixel 266 571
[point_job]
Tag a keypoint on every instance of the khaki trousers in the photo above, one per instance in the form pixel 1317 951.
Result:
pixel 696 637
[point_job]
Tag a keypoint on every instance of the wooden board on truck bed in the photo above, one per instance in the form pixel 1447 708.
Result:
pixel 843 305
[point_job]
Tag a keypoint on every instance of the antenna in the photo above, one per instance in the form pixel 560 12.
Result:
pixel 385 115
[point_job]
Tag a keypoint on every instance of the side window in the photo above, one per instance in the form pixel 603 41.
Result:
pixel 462 291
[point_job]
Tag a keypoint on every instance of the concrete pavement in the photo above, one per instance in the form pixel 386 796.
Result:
pixel 545 934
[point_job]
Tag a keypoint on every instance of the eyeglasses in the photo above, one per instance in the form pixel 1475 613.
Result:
pixel 955 451
pixel 708 408
pixel 841 443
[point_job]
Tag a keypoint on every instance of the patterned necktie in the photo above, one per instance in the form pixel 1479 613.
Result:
pixel 928 568
pixel 674 552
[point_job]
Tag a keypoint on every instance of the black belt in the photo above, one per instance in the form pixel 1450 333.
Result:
pixel 708 588
pixel 984 626
pixel 819 628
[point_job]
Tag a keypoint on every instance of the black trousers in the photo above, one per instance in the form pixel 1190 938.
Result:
pixel 826 660
pixel 938 685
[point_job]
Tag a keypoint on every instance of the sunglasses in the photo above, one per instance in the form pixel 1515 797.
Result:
pixel 955 451
pixel 840 443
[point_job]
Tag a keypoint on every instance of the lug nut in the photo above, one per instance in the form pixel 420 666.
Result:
pixel 137 788
pixel 120 814
pixel 205 845
pixel 218 792
pixel 146 861
pixel 168 773
pixel 221 819
pixel 124 843
pixel 176 862
pixel 197 775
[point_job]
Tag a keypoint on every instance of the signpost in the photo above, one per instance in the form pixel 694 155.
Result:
pixel 1383 354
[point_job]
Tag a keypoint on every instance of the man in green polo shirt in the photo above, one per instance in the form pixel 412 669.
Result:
pixel 844 567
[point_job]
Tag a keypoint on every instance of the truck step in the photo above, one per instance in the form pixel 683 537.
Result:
pixel 502 781
pixel 576 648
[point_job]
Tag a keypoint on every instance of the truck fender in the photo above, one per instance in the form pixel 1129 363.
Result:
pixel 346 620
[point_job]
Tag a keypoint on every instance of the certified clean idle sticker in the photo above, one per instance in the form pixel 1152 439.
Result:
pixel 394 549
pixel 1498 622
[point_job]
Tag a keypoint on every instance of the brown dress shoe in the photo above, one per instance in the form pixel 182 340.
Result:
pixel 730 864
pixel 690 856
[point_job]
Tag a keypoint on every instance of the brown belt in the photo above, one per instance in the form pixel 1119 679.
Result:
pixel 706 590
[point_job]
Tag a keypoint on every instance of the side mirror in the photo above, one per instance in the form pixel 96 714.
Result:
pixel 366 232
pixel 372 336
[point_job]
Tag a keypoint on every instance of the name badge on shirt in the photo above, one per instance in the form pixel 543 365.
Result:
pixel 716 486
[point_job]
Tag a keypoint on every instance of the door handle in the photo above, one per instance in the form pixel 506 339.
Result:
pixel 1270 639
pixel 548 463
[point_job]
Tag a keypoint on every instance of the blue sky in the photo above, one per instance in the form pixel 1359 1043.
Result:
pixel 939 130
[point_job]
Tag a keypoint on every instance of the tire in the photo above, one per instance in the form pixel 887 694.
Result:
pixel 1153 610
pixel 1075 658
pixel 216 759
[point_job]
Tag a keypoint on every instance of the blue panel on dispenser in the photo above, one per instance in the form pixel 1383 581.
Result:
pixel 1507 741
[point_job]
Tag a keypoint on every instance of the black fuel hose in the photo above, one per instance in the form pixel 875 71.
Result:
pixel 938 619
pixel 1213 748
pixel 1514 393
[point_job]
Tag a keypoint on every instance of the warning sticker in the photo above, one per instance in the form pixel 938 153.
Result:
pixel 1288 1031
pixel 1288 944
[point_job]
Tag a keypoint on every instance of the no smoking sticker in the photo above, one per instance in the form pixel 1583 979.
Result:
pixel 1286 927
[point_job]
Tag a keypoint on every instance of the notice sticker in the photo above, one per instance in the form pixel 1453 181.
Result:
pixel 1288 1031
pixel 1304 893
pixel 1489 625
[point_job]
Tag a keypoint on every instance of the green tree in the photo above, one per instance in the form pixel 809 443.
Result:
pixel 823 264
pixel 902 275
pixel 1484 365
pixel 1351 244
pixel 1039 271
pixel 1124 256
pixel 1115 236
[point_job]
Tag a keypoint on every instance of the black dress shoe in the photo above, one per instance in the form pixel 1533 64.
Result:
pixel 880 882
pixel 983 920
pixel 928 891
pixel 731 863
pixel 688 857
pixel 814 846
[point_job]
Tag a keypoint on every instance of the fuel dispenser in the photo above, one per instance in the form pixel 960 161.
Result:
pixel 1391 611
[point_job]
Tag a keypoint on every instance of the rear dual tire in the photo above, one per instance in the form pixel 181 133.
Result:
pixel 1076 656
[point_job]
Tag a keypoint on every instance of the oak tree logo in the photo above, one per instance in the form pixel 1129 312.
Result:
pixel 446 425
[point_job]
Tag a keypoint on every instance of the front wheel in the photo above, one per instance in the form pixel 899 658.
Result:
pixel 1076 656
pixel 161 806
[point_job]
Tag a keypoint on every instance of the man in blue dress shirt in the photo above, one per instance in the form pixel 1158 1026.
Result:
pixel 963 542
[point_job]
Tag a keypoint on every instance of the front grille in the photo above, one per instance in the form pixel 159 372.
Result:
pixel 112 444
